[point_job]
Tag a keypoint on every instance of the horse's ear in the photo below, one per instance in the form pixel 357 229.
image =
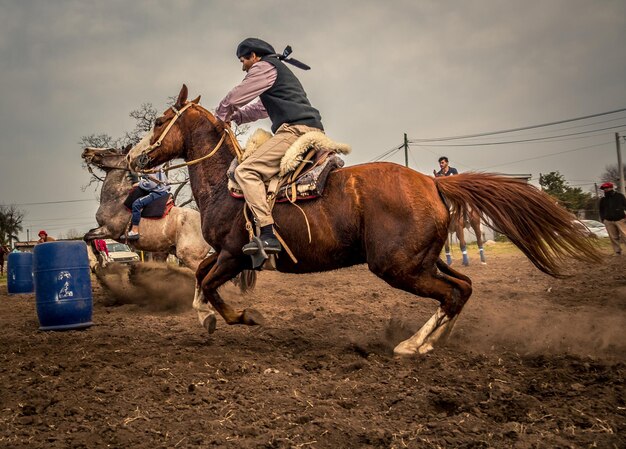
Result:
pixel 126 149
pixel 196 100
pixel 182 97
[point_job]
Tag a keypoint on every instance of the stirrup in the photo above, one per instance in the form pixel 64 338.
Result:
pixel 258 258
pixel 131 237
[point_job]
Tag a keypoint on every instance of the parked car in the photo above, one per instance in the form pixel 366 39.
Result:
pixel 121 253
pixel 594 228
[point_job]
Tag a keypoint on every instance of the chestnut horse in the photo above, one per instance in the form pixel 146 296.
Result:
pixel 458 224
pixel 392 218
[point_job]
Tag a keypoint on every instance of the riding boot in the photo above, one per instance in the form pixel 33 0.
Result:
pixel 271 245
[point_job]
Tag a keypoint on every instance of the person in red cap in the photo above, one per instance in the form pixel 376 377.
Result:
pixel 613 215
pixel 281 97
pixel 44 237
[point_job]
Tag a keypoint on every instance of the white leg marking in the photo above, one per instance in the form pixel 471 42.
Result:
pixel 206 314
pixel 436 328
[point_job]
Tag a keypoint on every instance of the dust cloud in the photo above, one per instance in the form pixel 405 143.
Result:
pixel 525 326
pixel 155 287
pixel 535 327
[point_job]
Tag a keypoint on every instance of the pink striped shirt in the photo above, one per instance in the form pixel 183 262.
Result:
pixel 236 104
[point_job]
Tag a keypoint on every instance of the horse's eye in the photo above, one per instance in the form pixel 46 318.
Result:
pixel 159 121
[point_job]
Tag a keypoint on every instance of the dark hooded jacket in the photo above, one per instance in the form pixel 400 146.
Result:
pixel 612 206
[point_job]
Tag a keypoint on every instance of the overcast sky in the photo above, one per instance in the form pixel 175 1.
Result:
pixel 379 69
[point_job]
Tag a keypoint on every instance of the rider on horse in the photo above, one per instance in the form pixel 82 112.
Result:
pixel 155 186
pixel 282 99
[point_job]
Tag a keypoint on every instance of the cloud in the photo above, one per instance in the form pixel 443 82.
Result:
pixel 380 70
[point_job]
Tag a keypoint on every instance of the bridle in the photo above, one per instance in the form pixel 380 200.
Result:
pixel 144 158
pixel 103 165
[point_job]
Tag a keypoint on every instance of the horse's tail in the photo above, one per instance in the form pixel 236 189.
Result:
pixel 531 219
pixel 246 280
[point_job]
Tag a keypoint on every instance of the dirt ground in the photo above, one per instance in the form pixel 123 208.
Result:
pixel 533 362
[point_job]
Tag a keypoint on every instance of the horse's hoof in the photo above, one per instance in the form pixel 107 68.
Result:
pixel 210 323
pixel 403 350
pixel 252 317
pixel 425 348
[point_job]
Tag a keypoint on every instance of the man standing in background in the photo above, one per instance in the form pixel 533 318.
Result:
pixel 613 215
pixel 445 169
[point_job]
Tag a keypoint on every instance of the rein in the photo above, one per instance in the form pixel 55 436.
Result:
pixel 89 164
pixel 227 131
pixel 200 159
pixel 177 114
pixel 93 174
pixel 144 158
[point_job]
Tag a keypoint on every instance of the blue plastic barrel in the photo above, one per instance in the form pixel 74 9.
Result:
pixel 62 285
pixel 20 273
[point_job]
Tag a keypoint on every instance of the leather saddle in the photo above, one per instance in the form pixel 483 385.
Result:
pixel 159 208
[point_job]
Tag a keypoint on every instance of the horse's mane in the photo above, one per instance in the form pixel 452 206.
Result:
pixel 218 124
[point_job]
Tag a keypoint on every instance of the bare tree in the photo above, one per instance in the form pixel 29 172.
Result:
pixel 611 174
pixel 72 234
pixel 144 116
pixel 98 141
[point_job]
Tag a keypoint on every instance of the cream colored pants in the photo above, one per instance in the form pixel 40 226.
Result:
pixel 262 165
pixel 617 233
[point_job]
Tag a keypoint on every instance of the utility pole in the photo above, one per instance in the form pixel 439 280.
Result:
pixel 620 167
pixel 406 151
pixel 597 202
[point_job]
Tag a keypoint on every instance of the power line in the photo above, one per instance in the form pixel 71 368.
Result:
pixel 426 147
pixel 47 202
pixel 519 141
pixel 55 227
pixel 387 153
pixel 569 127
pixel 547 155
pixel 34 221
pixel 413 142
pixel 491 133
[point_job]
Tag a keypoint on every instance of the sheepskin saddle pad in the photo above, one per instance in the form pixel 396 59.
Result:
pixel 309 183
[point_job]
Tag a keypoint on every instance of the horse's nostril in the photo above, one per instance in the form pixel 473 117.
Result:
pixel 142 160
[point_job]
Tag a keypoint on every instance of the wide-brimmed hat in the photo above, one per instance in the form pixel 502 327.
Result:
pixel 607 185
